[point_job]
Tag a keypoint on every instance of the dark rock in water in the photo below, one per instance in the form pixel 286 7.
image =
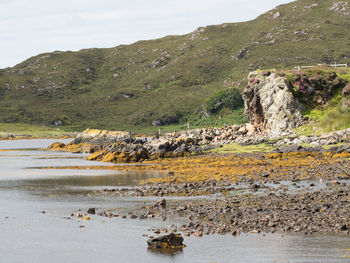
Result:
pixel 344 228
pixel 171 241
pixel 91 211
pixel 160 204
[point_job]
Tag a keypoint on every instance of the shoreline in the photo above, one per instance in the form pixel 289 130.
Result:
pixel 278 188
pixel 305 191
pixel 20 137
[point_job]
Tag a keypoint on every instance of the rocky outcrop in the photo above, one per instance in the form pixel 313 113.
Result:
pixel 74 148
pixel 94 136
pixel 341 8
pixel 123 147
pixel 269 103
pixel 118 146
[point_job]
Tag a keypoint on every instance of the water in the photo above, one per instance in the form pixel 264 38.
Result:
pixel 28 235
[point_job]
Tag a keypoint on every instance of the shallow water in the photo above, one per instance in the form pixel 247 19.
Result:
pixel 28 235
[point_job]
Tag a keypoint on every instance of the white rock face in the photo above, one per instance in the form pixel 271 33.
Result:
pixel 341 8
pixel 276 15
pixel 269 104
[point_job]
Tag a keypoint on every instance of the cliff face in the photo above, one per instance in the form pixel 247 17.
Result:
pixel 269 103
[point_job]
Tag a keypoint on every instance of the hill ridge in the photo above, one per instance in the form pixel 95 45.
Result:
pixel 170 77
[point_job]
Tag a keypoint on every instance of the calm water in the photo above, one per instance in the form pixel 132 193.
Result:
pixel 27 235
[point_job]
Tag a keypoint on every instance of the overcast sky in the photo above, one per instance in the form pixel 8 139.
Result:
pixel 30 27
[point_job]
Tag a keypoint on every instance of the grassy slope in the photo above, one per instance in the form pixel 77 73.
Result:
pixel 20 130
pixel 332 116
pixel 79 87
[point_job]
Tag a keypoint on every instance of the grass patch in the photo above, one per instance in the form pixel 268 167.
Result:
pixel 25 130
pixel 326 147
pixel 336 120
pixel 224 117
pixel 332 116
pixel 236 148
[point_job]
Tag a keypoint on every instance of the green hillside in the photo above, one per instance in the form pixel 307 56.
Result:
pixel 169 79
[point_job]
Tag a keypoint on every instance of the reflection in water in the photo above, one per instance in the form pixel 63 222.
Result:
pixel 74 185
pixel 28 235
pixel 167 252
pixel 27 171
pixel 115 179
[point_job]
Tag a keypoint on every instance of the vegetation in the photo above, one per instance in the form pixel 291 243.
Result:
pixel 24 130
pixel 226 117
pixel 331 115
pixel 237 148
pixel 337 120
pixel 226 99
pixel 129 86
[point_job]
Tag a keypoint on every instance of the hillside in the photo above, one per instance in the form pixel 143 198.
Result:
pixel 169 79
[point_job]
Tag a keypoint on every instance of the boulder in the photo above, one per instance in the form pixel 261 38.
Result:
pixel 250 128
pixel 171 241
pixel 276 15
pixel 56 146
pixel 270 104
pixel 157 123
pixel 91 211
pixel 57 123
pixel 160 204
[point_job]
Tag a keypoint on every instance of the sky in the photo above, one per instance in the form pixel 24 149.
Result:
pixel 31 27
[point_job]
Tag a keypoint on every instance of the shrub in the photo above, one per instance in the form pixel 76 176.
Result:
pixel 229 98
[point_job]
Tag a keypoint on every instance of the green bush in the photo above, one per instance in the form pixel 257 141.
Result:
pixel 229 98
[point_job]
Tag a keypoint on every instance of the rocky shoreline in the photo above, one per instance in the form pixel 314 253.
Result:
pixel 124 147
pixel 292 189
pixel 325 210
